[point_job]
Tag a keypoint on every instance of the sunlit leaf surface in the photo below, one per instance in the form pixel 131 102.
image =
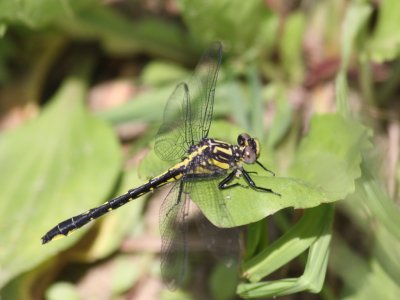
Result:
pixel 53 167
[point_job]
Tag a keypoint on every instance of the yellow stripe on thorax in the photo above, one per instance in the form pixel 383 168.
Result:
pixel 227 150
pixel 220 164
pixel 223 164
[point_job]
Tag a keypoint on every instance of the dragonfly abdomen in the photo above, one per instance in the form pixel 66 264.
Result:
pixel 173 174
pixel 68 226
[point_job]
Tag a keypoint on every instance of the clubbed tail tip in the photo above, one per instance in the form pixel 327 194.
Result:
pixel 45 239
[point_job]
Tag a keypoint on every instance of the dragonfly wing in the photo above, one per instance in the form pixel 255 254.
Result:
pixel 173 229
pixel 223 243
pixel 189 109
pixel 202 90
pixel 172 136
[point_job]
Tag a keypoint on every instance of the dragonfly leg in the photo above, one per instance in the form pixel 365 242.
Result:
pixel 262 166
pixel 254 186
pixel 224 184
pixel 252 172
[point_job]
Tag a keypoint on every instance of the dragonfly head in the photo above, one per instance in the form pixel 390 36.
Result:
pixel 250 148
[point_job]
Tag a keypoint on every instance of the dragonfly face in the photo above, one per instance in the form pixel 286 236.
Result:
pixel 250 148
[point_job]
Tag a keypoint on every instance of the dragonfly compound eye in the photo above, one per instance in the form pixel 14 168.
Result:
pixel 242 139
pixel 255 146
pixel 249 155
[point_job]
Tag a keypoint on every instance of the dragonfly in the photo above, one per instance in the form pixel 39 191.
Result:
pixel 183 137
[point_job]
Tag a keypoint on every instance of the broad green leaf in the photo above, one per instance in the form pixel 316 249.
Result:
pixel 137 110
pixel 120 36
pixel 113 228
pixel 153 100
pixel 324 170
pixel 239 22
pixel 35 13
pixel 246 205
pixel 385 42
pixel 329 156
pixel 54 167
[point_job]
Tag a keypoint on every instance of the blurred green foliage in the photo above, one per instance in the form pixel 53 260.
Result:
pixel 317 82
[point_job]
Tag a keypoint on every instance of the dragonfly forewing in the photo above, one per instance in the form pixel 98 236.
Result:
pixel 171 140
pixel 202 89
pixel 188 112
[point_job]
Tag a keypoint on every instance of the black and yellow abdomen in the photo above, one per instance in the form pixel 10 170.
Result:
pixel 209 157
pixel 68 226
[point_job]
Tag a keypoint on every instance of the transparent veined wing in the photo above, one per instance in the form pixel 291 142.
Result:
pixel 189 109
pixel 202 90
pixel 172 138
pixel 173 229
pixel 223 243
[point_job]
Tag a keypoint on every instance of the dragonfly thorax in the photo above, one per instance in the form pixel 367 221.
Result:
pixel 212 154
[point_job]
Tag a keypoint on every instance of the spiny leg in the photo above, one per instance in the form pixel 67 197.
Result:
pixel 262 166
pixel 250 181
pixel 224 184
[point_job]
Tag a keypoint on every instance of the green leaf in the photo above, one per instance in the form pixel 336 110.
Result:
pixel 385 42
pixel 371 198
pixel 159 72
pixel 313 232
pixel 221 20
pixel 364 279
pixel 223 281
pixel 137 110
pixel 63 290
pixel 356 17
pixel 282 120
pixel 128 270
pixel 314 223
pixel 35 13
pixel 329 157
pixel 120 36
pixel 247 205
pixel 54 167
pixel 291 44
pixel 153 100
pixel 324 170
pixel 118 223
